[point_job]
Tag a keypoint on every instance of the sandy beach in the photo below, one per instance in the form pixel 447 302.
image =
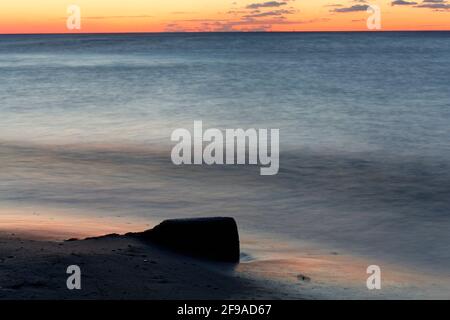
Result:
pixel 118 267
pixel 33 266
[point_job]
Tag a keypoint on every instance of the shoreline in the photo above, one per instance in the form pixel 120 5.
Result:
pixel 276 268
pixel 119 267
pixel 124 267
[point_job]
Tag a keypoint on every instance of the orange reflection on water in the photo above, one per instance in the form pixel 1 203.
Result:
pixel 52 224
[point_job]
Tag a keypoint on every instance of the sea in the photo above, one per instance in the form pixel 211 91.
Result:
pixel 364 122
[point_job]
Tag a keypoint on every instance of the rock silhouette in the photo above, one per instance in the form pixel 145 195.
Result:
pixel 214 238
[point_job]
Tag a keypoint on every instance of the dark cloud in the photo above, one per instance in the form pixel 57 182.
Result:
pixel 437 5
pixel 434 5
pixel 402 3
pixel 245 24
pixel 269 13
pixel 268 4
pixel 258 13
pixel 354 8
pixel 261 16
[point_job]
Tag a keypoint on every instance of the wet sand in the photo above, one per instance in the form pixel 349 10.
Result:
pixel 118 267
pixel 34 258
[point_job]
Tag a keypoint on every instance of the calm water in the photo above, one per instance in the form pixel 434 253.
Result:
pixel 364 119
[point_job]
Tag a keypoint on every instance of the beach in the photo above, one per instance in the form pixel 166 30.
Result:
pixel 363 177
pixel 33 265
pixel 118 267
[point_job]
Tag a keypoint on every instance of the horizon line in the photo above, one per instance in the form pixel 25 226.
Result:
pixel 236 31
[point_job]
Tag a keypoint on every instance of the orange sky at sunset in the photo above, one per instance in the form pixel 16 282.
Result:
pixel 49 16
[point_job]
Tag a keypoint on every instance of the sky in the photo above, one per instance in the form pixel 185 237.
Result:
pixel 50 16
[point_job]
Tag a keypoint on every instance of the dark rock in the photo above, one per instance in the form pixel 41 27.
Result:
pixel 215 238
pixel 304 278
